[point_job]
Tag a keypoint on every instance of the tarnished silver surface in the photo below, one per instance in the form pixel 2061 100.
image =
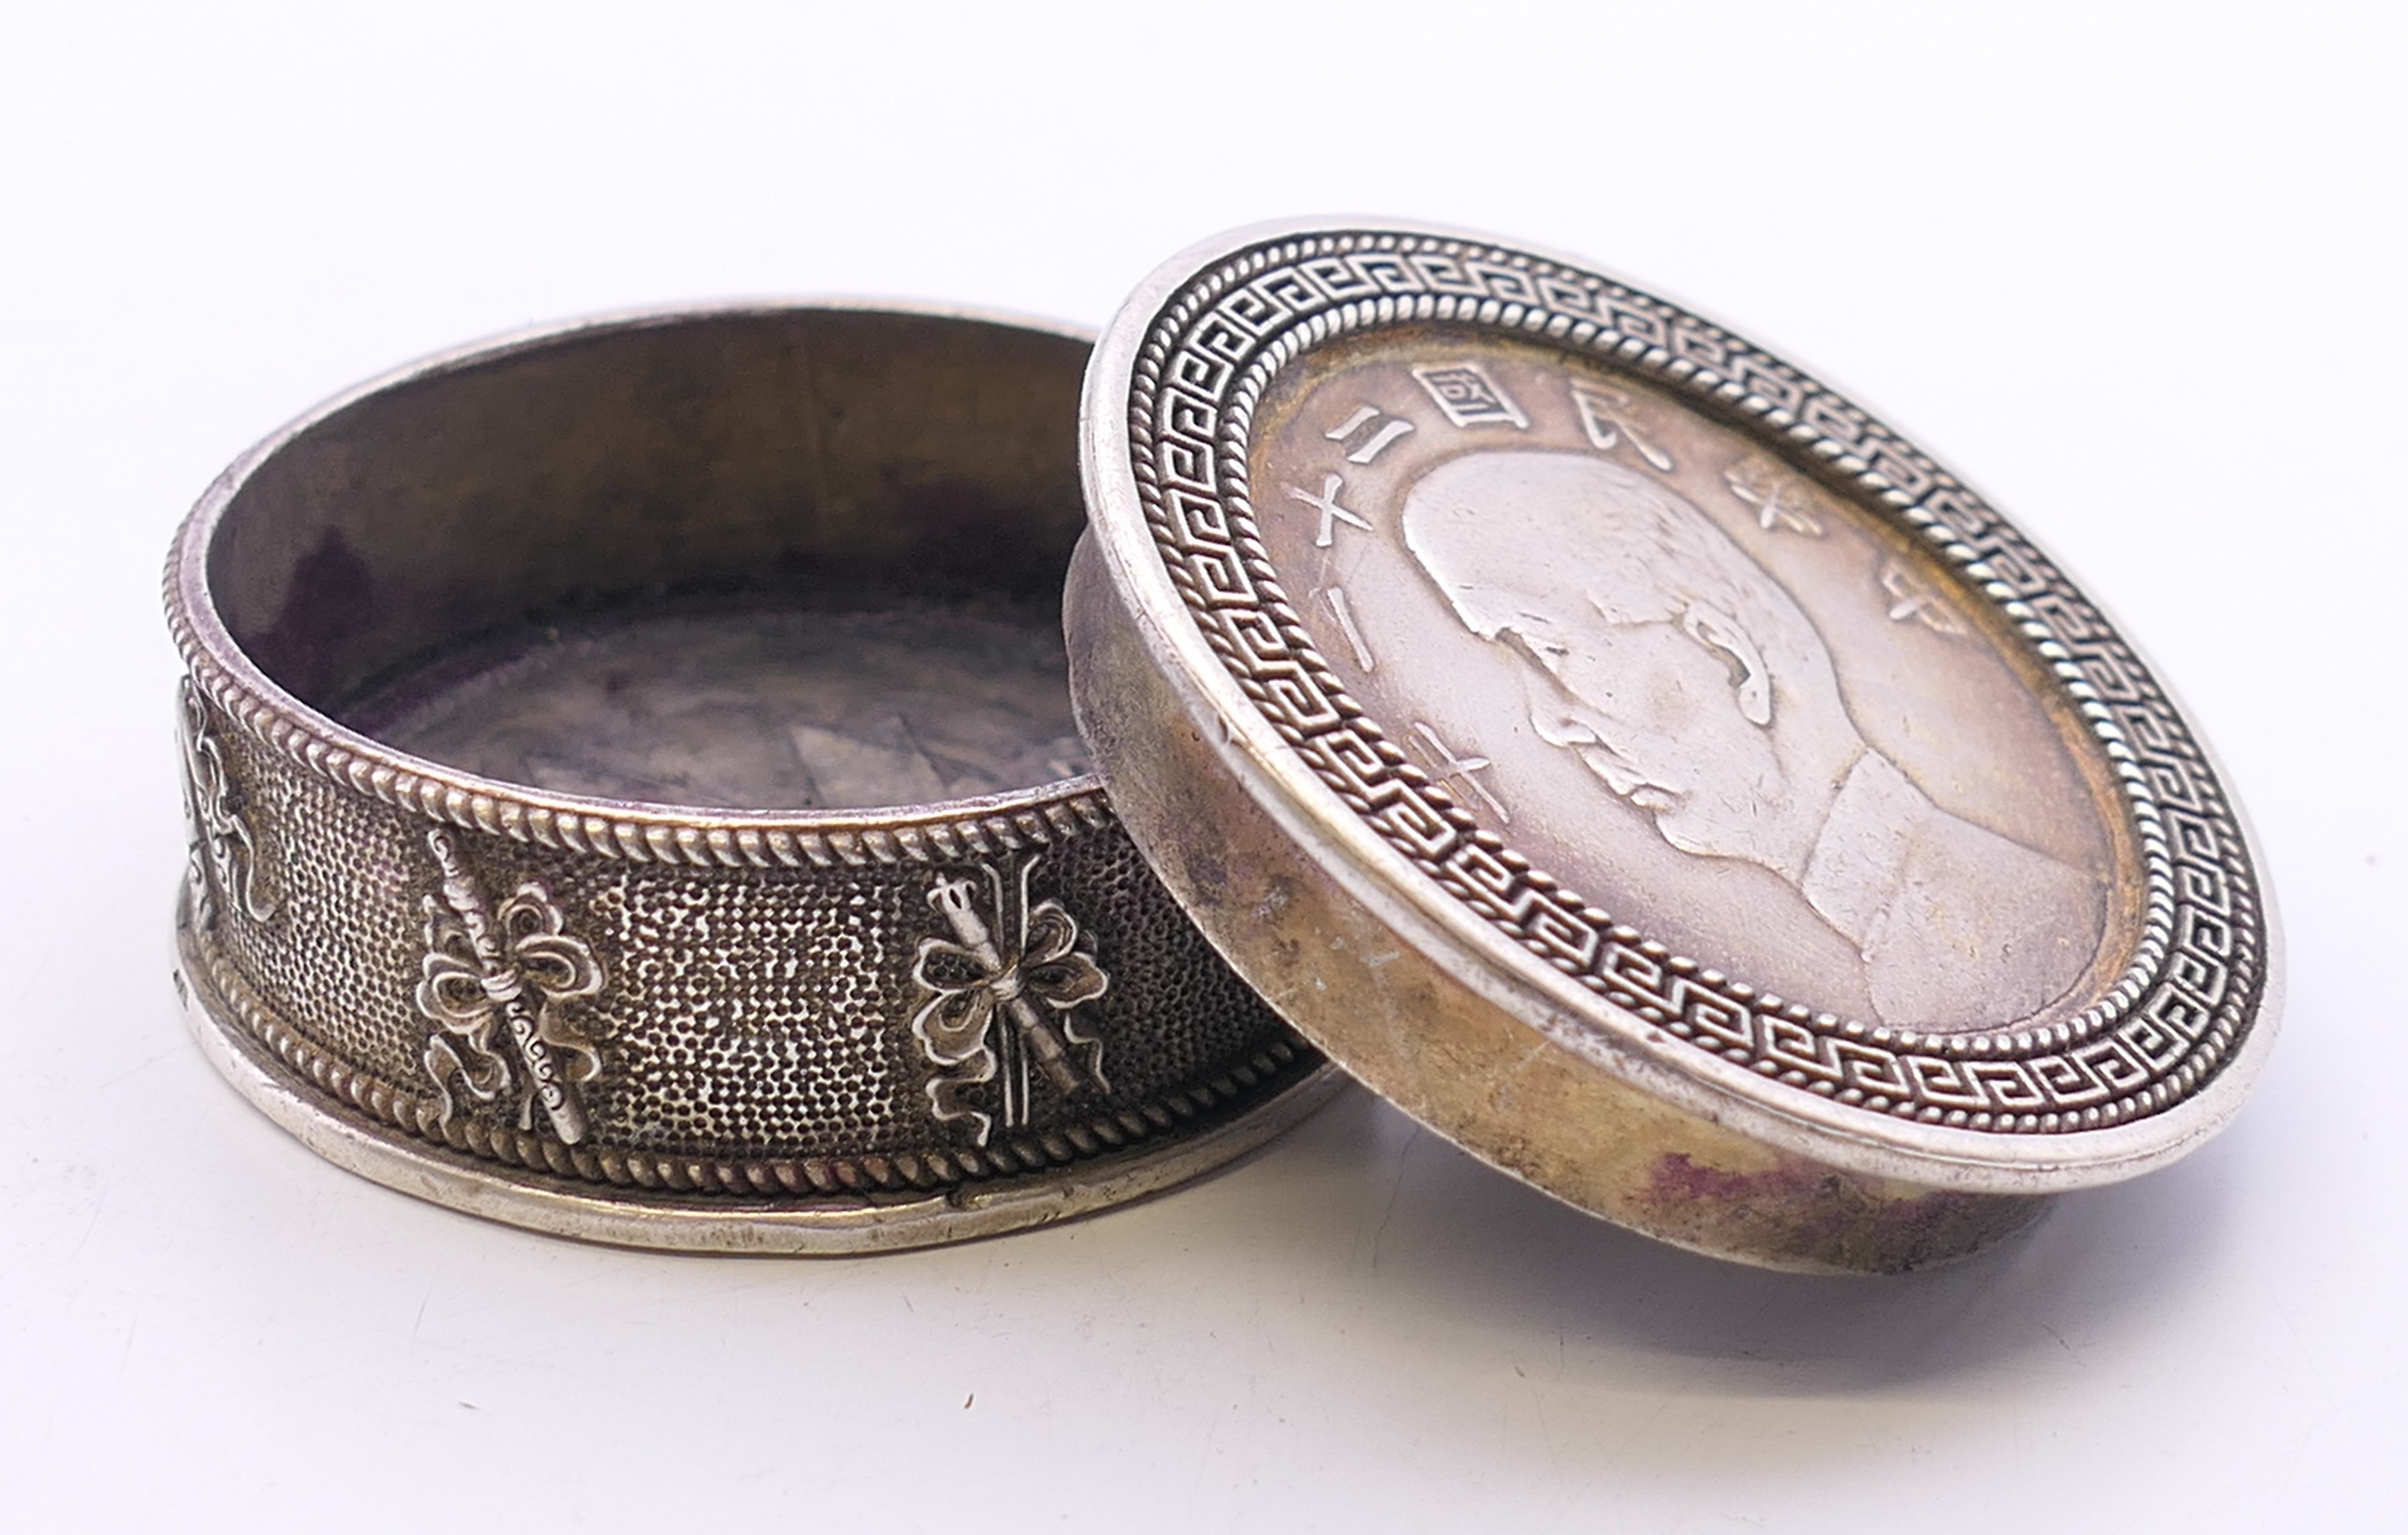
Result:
pixel 1641 765
pixel 758 709
pixel 634 794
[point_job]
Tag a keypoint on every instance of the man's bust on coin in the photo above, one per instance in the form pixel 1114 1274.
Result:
pixel 1690 683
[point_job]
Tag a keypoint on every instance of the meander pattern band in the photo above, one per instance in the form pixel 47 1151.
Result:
pixel 2161 1033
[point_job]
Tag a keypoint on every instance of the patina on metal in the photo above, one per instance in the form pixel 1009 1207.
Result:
pixel 634 794
pixel 1640 764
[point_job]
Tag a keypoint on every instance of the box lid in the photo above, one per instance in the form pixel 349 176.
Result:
pixel 1640 764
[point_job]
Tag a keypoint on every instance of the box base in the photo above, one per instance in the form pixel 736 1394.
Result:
pixel 277 1079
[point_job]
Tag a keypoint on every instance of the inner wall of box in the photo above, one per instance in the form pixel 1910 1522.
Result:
pixel 683 523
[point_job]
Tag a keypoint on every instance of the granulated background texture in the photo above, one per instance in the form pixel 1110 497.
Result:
pixel 2129 268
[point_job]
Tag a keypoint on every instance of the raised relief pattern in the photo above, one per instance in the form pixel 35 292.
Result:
pixel 1781 501
pixel 224 859
pixel 1469 396
pixel 497 982
pixel 2157 1031
pixel 1606 415
pixel 1688 681
pixel 1001 999
pixel 1463 772
pixel 1379 433
pixel 1332 514
pixel 1911 598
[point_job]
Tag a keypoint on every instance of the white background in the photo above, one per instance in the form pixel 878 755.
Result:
pixel 2134 269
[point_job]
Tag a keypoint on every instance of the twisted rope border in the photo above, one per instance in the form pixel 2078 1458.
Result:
pixel 2166 1027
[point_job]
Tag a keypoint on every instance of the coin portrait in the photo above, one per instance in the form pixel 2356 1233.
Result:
pixel 1690 683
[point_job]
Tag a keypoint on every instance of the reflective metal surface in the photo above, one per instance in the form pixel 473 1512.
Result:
pixel 634 794
pixel 1640 764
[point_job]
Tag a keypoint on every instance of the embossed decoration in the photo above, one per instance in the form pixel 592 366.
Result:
pixel 1605 416
pixel 224 855
pixel 1914 598
pixel 663 993
pixel 1004 994
pixel 1469 396
pixel 507 971
pixel 2154 1037
pixel 1781 500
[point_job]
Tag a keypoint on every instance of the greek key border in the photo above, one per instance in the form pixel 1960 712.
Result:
pixel 2165 1029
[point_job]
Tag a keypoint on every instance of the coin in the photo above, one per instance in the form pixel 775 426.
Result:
pixel 1639 762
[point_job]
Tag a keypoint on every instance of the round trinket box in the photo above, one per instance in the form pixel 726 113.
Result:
pixel 1641 765
pixel 634 794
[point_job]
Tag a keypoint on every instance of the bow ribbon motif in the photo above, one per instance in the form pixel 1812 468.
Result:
pixel 224 862
pixel 1030 977
pixel 494 982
